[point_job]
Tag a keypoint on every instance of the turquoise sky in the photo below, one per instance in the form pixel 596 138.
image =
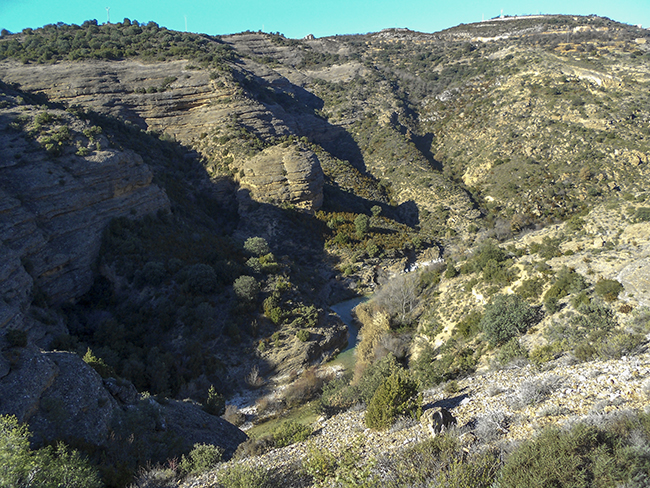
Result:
pixel 296 19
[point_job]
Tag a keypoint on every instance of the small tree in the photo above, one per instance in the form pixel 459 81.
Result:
pixel 398 395
pixel 257 246
pixel 399 296
pixel 506 316
pixel 98 364
pixel 362 225
pixel 246 288
pixel 215 404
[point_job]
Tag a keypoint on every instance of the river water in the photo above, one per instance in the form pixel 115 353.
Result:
pixel 346 358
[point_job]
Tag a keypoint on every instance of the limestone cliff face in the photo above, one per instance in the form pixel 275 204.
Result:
pixel 189 105
pixel 53 209
pixel 285 174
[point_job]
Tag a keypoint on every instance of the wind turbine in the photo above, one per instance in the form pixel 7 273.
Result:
pixel 108 15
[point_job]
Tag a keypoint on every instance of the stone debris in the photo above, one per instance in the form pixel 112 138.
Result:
pixel 484 410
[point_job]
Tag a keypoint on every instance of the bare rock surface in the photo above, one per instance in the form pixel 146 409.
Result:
pixel 53 212
pixel 58 394
pixel 285 174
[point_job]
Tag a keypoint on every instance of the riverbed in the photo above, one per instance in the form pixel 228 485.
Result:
pixel 347 357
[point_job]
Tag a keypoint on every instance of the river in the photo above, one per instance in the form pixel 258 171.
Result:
pixel 346 358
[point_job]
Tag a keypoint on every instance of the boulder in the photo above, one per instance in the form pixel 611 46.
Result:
pixel 436 420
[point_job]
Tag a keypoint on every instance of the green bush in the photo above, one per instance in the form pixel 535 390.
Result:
pixel 291 432
pixel 344 468
pixel 593 331
pixel 339 393
pixel 201 458
pixel 511 350
pixel 16 338
pixel 551 305
pixel 488 252
pixel 642 214
pixel 505 317
pixel 568 281
pixel 201 279
pixel 451 271
pixel 581 457
pixel 246 288
pixel 98 364
pixel 49 467
pixel 215 403
pixel 361 225
pixel 257 246
pixel 531 288
pixel 453 360
pixel 303 335
pixel 470 325
pixel 398 395
pixel 240 476
pixel 608 289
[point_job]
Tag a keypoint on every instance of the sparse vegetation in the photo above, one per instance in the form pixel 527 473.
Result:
pixel 437 147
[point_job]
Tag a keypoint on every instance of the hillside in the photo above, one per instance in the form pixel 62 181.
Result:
pixel 181 210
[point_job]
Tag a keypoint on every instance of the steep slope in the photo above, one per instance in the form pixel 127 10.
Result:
pixel 129 199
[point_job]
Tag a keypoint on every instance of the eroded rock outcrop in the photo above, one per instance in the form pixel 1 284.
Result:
pixel 285 174
pixel 62 398
pixel 53 211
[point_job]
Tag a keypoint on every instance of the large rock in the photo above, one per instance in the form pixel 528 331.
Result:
pixel 61 397
pixel 285 174
pixel 436 420
pixel 57 394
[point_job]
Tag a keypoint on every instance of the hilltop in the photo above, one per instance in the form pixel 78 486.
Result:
pixel 181 210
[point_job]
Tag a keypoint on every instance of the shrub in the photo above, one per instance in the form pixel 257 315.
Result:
pixel 154 273
pixel 201 458
pixel 255 447
pixel 586 333
pixel 642 214
pixel 451 271
pixel 534 391
pixel 257 246
pixel 608 289
pixel 344 468
pixel 491 425
pixel 505 317
pixel 16 338
pixel 511 350
pixel 246 288
pixel 201 279
pixel 49 467
pixel 531 288
pixel 291 432
pixel 361 225
pixel 481 471
pixel 98 364
pixel 551 305
pixel 240 476
pixel 303 335
pixel 232 415
pixel 215 404
pixel 308 386
pixel 398 395
pixel 470 325
pixel 583 456
pixel 568 281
